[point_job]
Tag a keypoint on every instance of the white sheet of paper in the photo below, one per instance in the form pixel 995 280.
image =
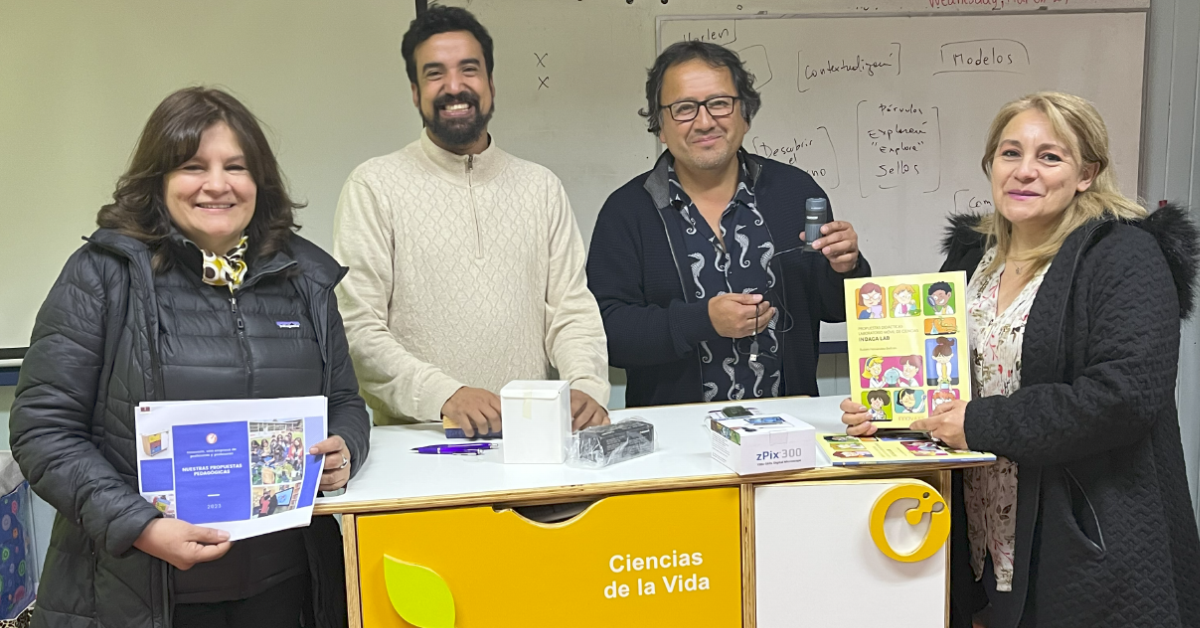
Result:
pixel 239 465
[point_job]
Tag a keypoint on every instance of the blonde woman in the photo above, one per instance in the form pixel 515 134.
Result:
pixel 905 298
pixel 872 372
pixel 1074 307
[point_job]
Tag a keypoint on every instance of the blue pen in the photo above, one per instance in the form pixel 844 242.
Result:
pixel 472 449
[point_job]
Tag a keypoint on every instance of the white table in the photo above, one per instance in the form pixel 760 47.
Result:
pixel 395 481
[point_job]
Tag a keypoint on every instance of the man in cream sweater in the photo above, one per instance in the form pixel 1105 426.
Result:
pixel 466 265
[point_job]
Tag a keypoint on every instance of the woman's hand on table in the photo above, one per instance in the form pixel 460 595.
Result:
pixel 857 419
pixel 946 423
pixel 181 543
pixel 337 462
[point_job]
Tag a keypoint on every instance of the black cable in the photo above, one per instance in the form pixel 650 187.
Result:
pixel 784 315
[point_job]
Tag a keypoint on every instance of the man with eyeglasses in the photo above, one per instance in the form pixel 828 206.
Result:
pixel 697 264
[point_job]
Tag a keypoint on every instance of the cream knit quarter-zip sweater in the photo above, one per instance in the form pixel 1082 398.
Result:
pixel 464 271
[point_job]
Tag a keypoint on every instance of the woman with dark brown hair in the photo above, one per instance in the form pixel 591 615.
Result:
pixel 194 287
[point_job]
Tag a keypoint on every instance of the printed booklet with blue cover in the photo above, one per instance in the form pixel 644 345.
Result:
pixel 236 465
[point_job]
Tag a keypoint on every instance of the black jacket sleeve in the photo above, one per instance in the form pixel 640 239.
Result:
pixel 50 426
pixel 639 333
pixel 347 412
pixel 1131 351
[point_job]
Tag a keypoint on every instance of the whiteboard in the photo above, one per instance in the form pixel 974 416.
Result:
pixel 890 114
pixel 327 79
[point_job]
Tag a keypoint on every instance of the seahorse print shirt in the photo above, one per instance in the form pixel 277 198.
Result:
pixel 737 261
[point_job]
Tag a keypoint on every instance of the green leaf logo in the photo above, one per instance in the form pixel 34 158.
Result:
pixel 420 596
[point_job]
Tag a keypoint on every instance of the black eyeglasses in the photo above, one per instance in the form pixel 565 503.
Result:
pixel 687 110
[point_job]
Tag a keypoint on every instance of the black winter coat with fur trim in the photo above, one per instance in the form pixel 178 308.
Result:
pixel 1106 533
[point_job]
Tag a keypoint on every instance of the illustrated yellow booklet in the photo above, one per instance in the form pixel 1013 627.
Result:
pixel 843 450
pixel 907 339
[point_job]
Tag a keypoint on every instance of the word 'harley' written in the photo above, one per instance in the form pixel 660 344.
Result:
pixel 723 32
pixel 709 34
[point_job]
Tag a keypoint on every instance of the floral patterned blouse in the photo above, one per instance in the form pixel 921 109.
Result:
pixel 991 492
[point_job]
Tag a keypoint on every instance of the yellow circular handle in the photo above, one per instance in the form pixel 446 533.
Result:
pixel 927 499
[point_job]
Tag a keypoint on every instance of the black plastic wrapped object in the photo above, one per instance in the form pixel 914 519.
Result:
pixel 600 446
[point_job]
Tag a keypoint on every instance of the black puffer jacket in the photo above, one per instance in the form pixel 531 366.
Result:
pixel 112 334
pixel 1106 534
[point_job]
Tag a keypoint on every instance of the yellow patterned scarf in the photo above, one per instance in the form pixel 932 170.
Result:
pixel 227 269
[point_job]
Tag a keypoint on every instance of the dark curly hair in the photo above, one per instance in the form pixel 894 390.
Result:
pixel 170 138
pixel 712 54
pixel 435 21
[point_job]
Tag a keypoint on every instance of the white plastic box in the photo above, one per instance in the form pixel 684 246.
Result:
pixel 537 421
pixel 762 443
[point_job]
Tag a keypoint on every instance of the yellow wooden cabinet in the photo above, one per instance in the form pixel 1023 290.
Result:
pixel 655 559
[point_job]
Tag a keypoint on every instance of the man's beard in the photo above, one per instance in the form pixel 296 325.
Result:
pixel 458 132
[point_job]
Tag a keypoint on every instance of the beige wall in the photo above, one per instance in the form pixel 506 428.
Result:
pixel 79 80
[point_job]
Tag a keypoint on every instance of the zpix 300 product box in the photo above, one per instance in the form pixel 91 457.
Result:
pixel 760 444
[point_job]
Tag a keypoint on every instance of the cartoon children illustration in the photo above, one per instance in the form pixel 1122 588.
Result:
pixel 909 401
pixel 853 454
pixel 940 294
pixel 870 300
pixel 905 298
pixel 943 355
pixel 871 372
pixel 938 397
pixel 878 400
pixel 910 367
pixel 891 378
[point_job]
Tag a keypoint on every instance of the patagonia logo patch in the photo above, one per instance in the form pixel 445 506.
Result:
pixel 287 324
